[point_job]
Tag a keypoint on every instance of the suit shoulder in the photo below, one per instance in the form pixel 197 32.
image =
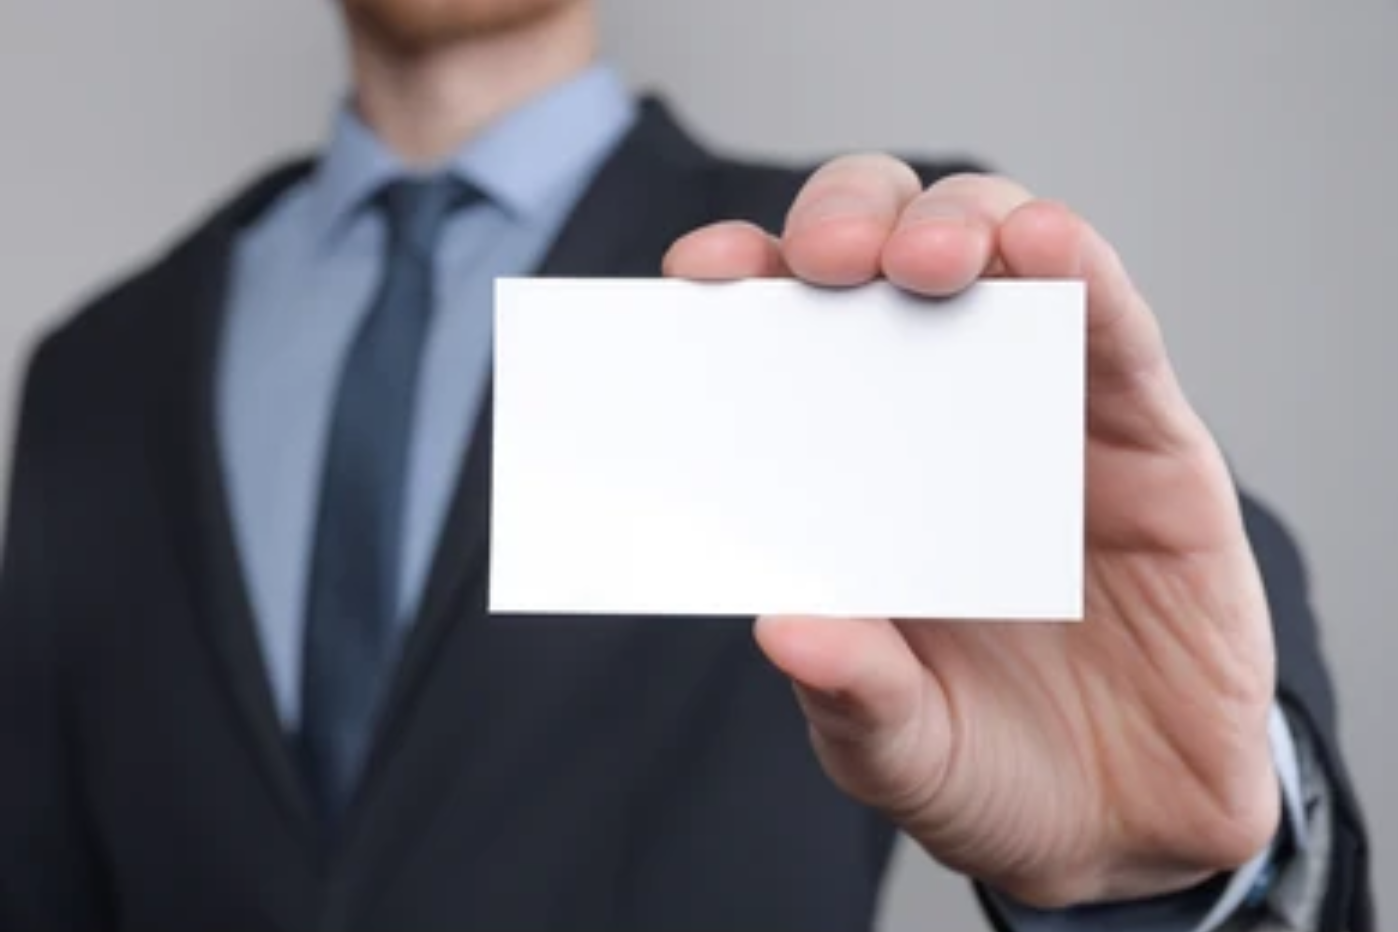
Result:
pixel 122 322
pixel 84 331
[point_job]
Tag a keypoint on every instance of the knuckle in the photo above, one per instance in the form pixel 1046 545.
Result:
pixel 871 162
pixel 979 183
pixel 991 198
pixel 863 173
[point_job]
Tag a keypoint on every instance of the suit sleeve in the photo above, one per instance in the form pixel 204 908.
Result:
pixel 1306 694
pixel 47 875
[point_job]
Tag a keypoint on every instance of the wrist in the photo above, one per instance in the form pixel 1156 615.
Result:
pixel 1163 861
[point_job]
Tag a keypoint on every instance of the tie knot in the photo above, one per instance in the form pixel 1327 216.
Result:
pixel 416 208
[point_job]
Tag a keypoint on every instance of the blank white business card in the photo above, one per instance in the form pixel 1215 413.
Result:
pixel 766 447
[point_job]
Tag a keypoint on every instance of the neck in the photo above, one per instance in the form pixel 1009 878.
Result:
pixel 424 104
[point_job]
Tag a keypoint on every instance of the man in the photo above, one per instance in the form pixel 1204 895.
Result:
pixel 247 680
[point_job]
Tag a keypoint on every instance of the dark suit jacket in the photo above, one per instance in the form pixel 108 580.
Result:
pixel 529 774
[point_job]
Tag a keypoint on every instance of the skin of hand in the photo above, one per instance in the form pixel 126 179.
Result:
pixel 1120 758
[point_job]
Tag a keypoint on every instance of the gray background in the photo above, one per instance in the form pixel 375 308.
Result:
pixel 1242 155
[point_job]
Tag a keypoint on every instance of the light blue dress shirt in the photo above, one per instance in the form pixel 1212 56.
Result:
pixel 303 278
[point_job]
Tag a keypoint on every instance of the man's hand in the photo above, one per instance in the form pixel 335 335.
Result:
pixel 1060 763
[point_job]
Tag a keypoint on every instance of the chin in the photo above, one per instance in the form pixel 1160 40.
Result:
pixel 416 25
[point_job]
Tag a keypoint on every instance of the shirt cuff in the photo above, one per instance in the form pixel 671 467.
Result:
pixel 1205 909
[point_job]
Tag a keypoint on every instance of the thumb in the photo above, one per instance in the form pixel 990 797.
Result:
pixel 876 714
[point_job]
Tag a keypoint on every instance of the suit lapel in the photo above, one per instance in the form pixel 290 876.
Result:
pixel 646 195
pixel 195 295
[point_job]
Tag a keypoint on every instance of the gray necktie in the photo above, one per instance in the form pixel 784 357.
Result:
pixel 352 594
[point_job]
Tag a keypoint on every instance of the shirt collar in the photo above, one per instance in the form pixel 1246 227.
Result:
pixel 518 161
